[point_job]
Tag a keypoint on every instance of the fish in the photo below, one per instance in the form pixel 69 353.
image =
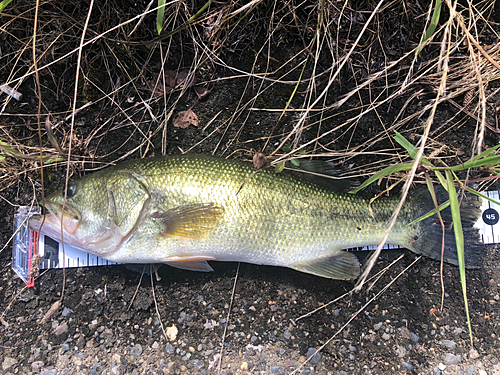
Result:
pixel 185 210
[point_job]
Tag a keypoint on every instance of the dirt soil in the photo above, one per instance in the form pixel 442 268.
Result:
pixel 241 318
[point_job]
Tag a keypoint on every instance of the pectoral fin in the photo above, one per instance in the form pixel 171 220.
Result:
pixel 193 221
pixel 342 266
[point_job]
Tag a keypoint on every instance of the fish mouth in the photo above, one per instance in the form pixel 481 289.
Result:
pixel 55 221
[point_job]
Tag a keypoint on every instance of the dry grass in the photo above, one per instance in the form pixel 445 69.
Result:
pixel 334 79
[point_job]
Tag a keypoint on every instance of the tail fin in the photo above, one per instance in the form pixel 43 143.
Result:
pixel 427 240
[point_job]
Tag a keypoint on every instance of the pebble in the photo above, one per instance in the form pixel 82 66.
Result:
pixel 182 317
pixel 442 367
pixel 313 358
pixel 155 345
pixel 408 366
pixel 450 344
pixel 172 333
pixel 306 372
pixel 452 359
pixel 66 311
pixel 37 365
pixel 8 362
pixel 386 336
pixel 136 350
pixel 377 326
pixel 277 370
pixel 244 366
pixel 94 369
pixel 287 335
pixel 60 329
pixel 414 337
pixel 197 364
pixel 400 351
pixel 65 347
pixel 49 372
pixel 169 349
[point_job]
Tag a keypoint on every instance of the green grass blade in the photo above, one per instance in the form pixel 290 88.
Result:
pixel 459 239
pixel 470 190
pixel 4 4
pixel 432 27
pixel 412 150
pixel 160 14
pixel 383 173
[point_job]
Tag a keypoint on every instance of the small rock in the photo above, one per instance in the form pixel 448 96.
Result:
pixel 155 345
pixel 116 358
pixel 377 326
pixel 60 329
pixel 473 354
pixel 452 359
pixel 408 366
pixel 49 372
pixel 37 365
pixel 287 335
pixel 172 333
pixel 450 344
pixel 8 362
pixel 386 336
pixel 244 366
pixel 66 311
pixel 442 367
pixel 169 349
pixel 400 351
pixel 277 370
pixel 136 350
pixel 414 337
pixel 64 347
pixel 182 317
pixel 197 364
pixel 313 356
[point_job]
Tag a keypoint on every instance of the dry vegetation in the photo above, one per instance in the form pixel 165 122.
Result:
pixel 335 79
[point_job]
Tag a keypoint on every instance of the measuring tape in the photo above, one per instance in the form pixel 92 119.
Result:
pixel 27 259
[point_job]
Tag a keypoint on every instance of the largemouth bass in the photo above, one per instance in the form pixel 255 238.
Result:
pixel 187 210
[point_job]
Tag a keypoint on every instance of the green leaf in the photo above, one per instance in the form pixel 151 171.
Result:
pixel 459 239
pixel 295 162
pixel 412 150
pixel 432 26
pixel 160 14
pixel 470 190
pixel 287 150
pixel 383 173
pixel 4 4
pixel 279 167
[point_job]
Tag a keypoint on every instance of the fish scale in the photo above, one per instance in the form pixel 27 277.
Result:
pixel 184 210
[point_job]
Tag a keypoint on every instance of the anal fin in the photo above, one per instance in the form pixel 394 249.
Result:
pixel 341 266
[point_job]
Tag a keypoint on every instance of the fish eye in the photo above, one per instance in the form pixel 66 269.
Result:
pixel 71 191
